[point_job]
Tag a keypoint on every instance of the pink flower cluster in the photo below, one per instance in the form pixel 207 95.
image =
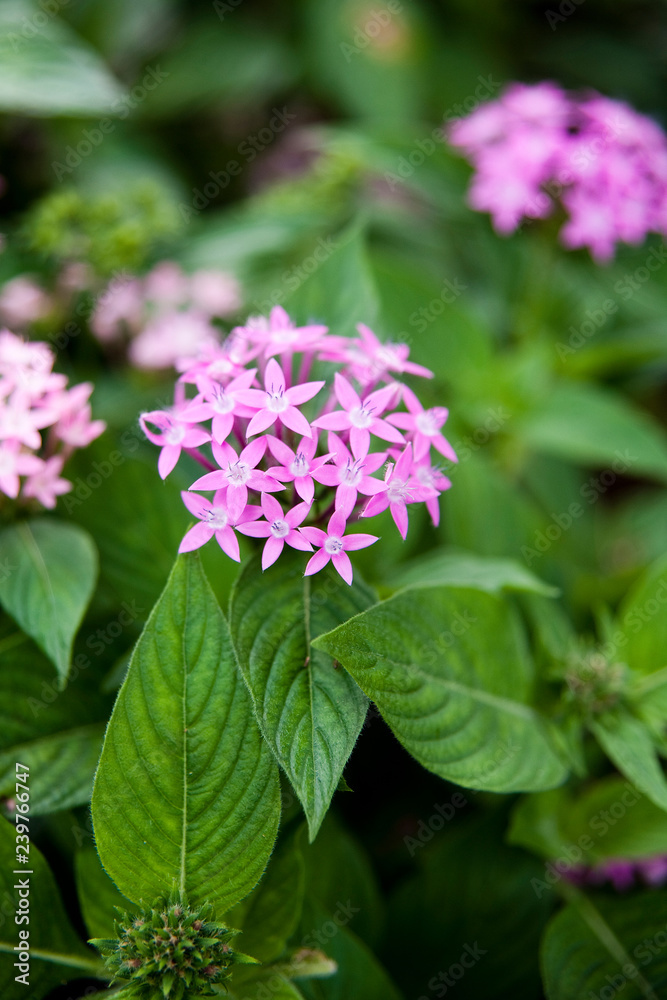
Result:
pixel 604 162
pixel 33 400
pixel 263 421
pixel 623 873
pixel 166 315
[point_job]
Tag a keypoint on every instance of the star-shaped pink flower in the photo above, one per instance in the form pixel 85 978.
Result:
pixel 46 484
pixel 297 467
pixel 278 529
pixel 277 403
pixel 220 403
pixel 425 426
pixel 400 488
pixel 15 463
pixel 361 417
pixel 350 476
pixel 371 358
pixel 431 477
pixel 175 433
pixel 215 518
pixel 237 474
pixel 334 545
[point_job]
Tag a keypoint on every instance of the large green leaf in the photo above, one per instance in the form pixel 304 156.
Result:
pixel 47 70
pixel 339 290
pixel 270 914
pixel 591 426
pixel 449 670
pixel 310 712
pixel 98 896
pixel 603 947
pixel 52 568
pixel 56 953
pixel 186 795
pixel 62 767
pixel 641 639
pixel 627 742
pixel 465 569
pixel 34 702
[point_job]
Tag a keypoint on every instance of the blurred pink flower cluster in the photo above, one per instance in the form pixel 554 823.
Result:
pixel 269 428
pixel 41 421
pixel 623 873
pixel 165 315
pixel 604 162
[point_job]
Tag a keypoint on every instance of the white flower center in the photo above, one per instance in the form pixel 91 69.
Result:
pixel 277 401
pixel 174 434
pixel 350 473
pixel 361 417
pixel 238 473
pixel 333 545
pixel 279 529
pixel 387 356
pixel 426 475
pixel 222 402
pixel 217 518
pixel 398 491
pixel 300 465
pixel 427 423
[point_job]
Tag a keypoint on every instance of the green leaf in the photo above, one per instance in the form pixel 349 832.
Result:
pixel 33 702
pixel 341 291
pixel 360 975
pixel 606 946
pixel 309 712
pixel 609 819
pixel 641 640
pixel 186 795
pixel 270 914
pixel 465 569
pixel 97 894
pixel 592 426
pixel 627 742
pixel 249 983
pixel 47 69
pixel 52 568
pixel 449 670
pixel 338 871
pixel 56 953
pixel 62 768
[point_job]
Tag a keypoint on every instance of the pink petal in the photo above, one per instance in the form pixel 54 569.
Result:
pixel 256 398
pixel 168 458
pixel 343 565
pixel 318 562
pixel 360 440
pixel 299 394
pixel 445 448
pixel 297 514
pixel 346 497
pixel 272 550
pixel 305 488
pixel 255 529
pixel 347 397
pixel 274 379
pixel 295 420
pixel 337 524
pixel 376 505
pixel 222 426
pixel 404 464
pixel 329 475
pixel 358 541
pixel 338 421
pixel 382 398
pixel 261 420
pixel 271 508
pixel 280 450
pixel 237 498
pixel 298 541
pixel 253 453
pixel 229 543
pixel 314 535
pixel 260 481
pixel 211 481
pixel 196 537
pixel 384 430
pixel 399 512
pixel 195 504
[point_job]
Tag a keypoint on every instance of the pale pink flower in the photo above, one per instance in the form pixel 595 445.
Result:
pixel 23 301
pixel 278 529
pixel 173 434
pixel 400 489
pixel 215 293
pixel 220 404
pixel 215 518
pixel 238 474
pixel 350 476
pixel 46 484
pixel 361 417
pixel 15 463
pixel 334 545
pixel 425 426
pixel 276 403
pixel 298 466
